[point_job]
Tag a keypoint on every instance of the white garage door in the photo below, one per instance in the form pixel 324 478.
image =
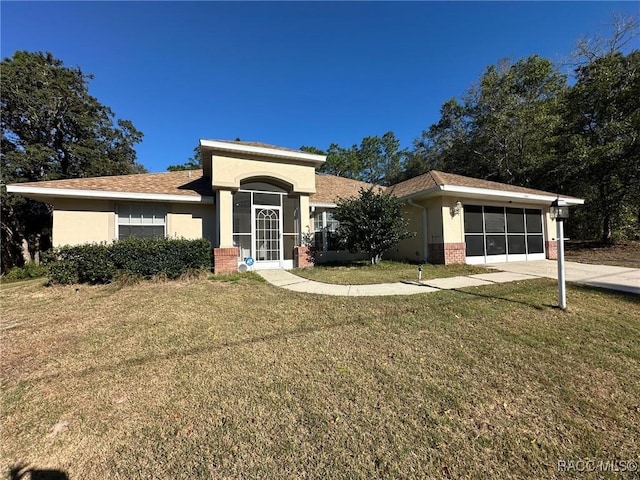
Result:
pixel 503 234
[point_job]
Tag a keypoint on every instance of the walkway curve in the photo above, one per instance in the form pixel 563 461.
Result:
pixel 285 279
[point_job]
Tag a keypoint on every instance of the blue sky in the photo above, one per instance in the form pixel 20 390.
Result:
pixel 289 73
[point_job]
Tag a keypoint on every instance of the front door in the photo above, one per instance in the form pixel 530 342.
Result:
pixel 267 236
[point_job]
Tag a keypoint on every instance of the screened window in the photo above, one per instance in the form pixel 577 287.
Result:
pixel 141 220
pixel 502 231
pixel 473 219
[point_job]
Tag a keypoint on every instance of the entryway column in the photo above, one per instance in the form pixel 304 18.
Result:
pixel 225 218
pixel 305 219
pixel 225 257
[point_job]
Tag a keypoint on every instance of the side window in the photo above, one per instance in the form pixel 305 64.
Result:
pixel 324 227
pixel 141 220
pixel 318 230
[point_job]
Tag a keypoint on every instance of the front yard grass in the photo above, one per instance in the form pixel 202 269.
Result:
pixel 206 379
pixel 363 273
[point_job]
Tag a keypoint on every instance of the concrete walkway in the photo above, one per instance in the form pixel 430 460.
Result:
pixel 603 276
pixel 285 279
pixel 615 278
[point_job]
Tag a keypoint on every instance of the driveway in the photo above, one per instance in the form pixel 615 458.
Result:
pixel 604 276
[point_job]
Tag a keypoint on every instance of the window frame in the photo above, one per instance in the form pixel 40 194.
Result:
pixel 526 235
pixel 327 227
pixel 142 205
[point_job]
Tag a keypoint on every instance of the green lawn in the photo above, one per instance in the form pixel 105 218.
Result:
pixel 362 273
pixel 206 379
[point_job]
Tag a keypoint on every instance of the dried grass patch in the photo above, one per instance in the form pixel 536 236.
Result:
pixel 238 379
pixel 623 254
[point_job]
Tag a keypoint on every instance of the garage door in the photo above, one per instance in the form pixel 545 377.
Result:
pixel 503 234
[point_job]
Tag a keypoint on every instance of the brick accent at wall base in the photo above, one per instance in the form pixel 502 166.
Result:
pixel 225 260
pixel 301 258
pixel 447 253
pixel 551 248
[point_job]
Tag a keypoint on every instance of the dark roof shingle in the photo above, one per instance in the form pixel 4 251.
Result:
pixel 328 187
pixel 186 182
pixel 435 178
pixel 331 187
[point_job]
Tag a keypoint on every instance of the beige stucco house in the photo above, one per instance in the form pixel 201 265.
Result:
pixel 255 201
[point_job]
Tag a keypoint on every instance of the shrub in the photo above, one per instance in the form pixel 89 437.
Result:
pixel 131 257
pixel 371 223
pixel 64 272
pixel 30 270
pixel 154 256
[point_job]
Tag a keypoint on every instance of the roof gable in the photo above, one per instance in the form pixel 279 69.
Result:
pixel 435 180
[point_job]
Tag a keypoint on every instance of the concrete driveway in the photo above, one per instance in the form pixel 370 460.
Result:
pixel 604 276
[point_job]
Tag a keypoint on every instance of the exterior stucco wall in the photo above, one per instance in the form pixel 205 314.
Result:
pixel 78 221
pixel 224 201
pixel 416 248
pixel 452 223
pixel 445 230
pixel 411 248
pixel 549 226
pixel 191 221
pixel 228 172
pixel 306 225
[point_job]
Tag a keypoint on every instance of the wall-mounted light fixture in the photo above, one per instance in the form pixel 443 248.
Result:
pixel 456 210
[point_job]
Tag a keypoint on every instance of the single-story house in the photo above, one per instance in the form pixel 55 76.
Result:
pixel 256 201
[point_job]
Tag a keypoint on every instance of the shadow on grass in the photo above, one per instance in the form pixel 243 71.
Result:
pixel 482 295
pixel 535 306
pixel 135 361
pixel 19 472
pixel 622 295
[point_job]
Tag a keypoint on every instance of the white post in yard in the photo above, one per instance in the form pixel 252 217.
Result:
pixel 562 293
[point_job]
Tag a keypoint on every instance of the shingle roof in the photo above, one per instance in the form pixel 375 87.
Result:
pixel 188 182
pixel 330 187
pixel 435 178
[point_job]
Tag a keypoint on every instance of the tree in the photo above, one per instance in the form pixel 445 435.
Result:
pixel 602 142
pixel 624 29
pixel 444 144
pixel 193 163
pixel 377 160
pixel 381 159
pixel 502 129
pixel 371 223
pixel 52 128
pixel 343 162
pixel 313 150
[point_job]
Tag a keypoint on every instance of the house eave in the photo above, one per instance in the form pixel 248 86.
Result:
pixel 474 192
pixel 49 193
pixel 490 194
pixel 302 157
pixel 323 205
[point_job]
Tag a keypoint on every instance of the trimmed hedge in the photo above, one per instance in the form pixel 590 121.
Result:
pixel 143 257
